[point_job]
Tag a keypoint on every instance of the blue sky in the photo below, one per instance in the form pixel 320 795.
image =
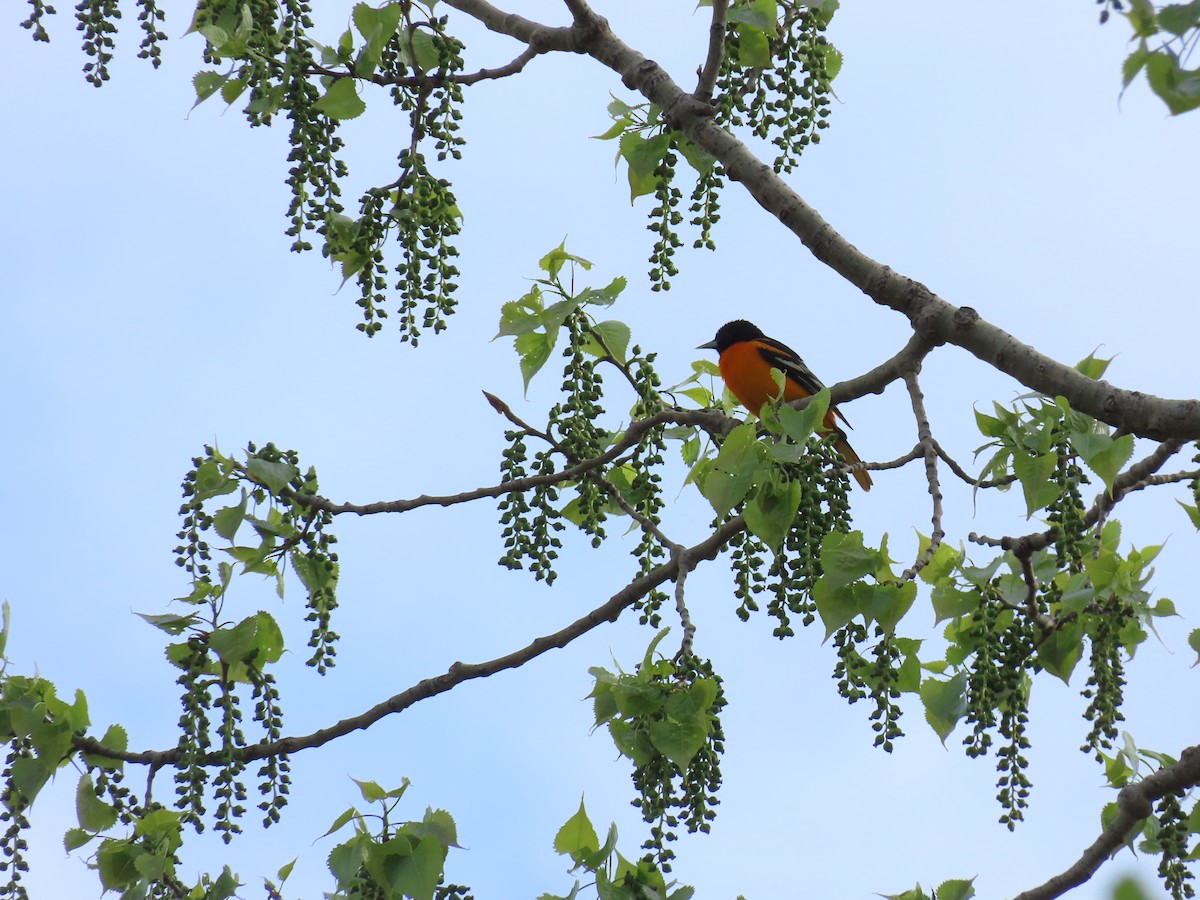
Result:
pixel 154 308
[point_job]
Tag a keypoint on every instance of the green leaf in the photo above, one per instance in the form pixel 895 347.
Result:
pixel 956 889
pixel 799 425
pixel 1141 17
pixel 833 60
pixel 577 836
pixel 945 703
pixel 643 155
pixel 275 475
pixel 522 315
pixel 1193 513
pixel 1128 888
pixel 534 349
pixel 417 874
pixel 945 560
pixel 699 159
pixel 762 14
pixel 93 813
pixel 733 472
pixel 1134 63
pixel 611 338
pixel 772 509
pixel 835 605
pixel 1178 88
pixel 255 640
pixel 341 100
pixel 232 89
pixel 377 26
pixel 228 520
pixel 1194 643
pixel 75 838
pixel 990 426
pixel 553 261
pixel 1104 455
pixel 371 791
pixel 1091 365
pixel 845 559
pixel 116 862
pixel 617 128
pixel 1179 18
pixel 885 603
pixel 949 602
pixel 206 84
pixel 171 623
pixel 211 481
pixel 679 741
pixel 1060 650
pixel 1034 473
pixel 754 47
pixel 345 860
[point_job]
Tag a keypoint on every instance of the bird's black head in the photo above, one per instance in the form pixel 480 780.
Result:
pixel 732 333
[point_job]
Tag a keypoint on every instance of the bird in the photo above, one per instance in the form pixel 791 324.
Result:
pixel 747 357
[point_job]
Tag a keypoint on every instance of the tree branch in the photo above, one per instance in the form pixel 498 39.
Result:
pixel 709 419
pixel 458 673
pixel 1134 803
pixel 716 52
pixel 929 449
pixel 931 317
pixel 1132 479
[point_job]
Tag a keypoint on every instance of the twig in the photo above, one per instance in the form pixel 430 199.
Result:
pixel 716 52
pixel 1134 478
pixel 1048 624
pixel 962 473
pixel 710 420
pixel 1135 802
pixel 929 450
pixel 684 565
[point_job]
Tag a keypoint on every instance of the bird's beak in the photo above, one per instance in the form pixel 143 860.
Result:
pixel 711 345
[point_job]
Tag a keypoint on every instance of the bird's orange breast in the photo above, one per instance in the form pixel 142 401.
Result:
pixel 748 377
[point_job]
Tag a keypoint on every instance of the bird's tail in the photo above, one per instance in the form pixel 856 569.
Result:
pixel 862 476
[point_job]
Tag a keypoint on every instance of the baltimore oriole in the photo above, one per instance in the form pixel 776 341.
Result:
pixel 747 358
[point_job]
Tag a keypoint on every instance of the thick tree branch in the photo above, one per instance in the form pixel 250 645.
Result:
pixel 458 673
pixel 935 319
pixel 1134 803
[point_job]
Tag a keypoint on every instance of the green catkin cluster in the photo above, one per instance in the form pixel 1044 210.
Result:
pixel 1105 689
pixel 669 797
pixel 573 421
pixel 788 102
pixel 1066 513
pixel 191 776
pixel 824 508
pixel 149 19
pixel 97 20
pixel 998 679
pixel 1173 835
pixel 648 459
pixel 529 529
pixel 228 788
pixel 13 806
pixel 705 206
pixel 664 218
pixel 274 776
pixel 746 554
pixel 38 10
